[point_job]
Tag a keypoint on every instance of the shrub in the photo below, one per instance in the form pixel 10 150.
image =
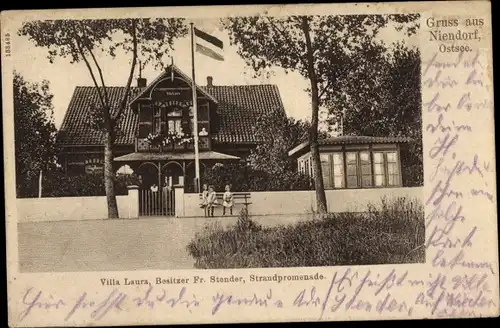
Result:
pixel 57 184
pixel 392 232
pixel 246 178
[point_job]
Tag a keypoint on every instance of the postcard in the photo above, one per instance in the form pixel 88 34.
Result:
pixel 230 164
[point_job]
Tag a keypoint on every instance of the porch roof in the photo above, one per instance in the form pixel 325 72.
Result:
pixel 143 156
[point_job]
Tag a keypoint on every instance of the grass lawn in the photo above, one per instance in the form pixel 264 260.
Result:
pixel 390 232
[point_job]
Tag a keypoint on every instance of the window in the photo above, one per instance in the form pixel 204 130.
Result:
pixel 325 169
pixel 174 120
pixel 174 125
pixel 301 166
pixel 352 170
pixel 386 169
pixel 392 169
pixel 362 169
pixel 362 173
pixel 156 119
pixel 338 170
pixel 378 168
pixel 203 112
pixel 366 169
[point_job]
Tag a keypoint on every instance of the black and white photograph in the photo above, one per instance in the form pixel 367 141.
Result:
pixel 236 142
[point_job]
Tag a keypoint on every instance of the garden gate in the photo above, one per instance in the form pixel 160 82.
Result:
pixel 157 202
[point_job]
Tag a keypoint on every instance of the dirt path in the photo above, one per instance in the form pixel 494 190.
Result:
pixel 114 245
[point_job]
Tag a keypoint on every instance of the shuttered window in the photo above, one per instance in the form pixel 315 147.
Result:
pixel 366 169
pixel 326 171
pixel 352 169
pixel 156 120
pixel 145 118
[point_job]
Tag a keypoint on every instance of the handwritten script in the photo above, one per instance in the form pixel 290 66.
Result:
pixel 460 203
pixel 456 100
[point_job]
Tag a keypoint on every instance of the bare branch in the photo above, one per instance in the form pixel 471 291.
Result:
pixel 105 92
pixel 290 42
pixel 322 93
pixel 123 103
pixel 82 53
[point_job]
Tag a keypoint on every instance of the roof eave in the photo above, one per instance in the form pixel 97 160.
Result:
pixel 298 148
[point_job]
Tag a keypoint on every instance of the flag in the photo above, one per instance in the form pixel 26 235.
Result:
pixel 209 45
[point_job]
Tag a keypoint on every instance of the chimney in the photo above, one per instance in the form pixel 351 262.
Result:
pixel 141 82
pixel 210 81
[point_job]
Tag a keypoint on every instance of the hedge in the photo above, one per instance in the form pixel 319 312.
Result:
pixel 246 178
pixel 57 184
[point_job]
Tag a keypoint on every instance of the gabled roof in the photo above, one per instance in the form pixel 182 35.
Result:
pixel 345 140
pixel 238 109
pixel 76 129
pixel 166 74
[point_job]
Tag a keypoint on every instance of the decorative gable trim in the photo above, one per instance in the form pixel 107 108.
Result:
pixel 145 93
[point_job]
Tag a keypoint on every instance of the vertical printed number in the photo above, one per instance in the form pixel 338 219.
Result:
pixel 7 49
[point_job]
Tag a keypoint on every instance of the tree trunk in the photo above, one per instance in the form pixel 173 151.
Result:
pixel 109 177
pixel 313 134
pixel 316 162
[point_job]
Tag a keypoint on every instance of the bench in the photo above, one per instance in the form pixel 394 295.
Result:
pixel 242 198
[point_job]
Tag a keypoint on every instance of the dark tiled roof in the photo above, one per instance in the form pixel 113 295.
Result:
pixel 238 109
pixel 76 130
pixel 345 140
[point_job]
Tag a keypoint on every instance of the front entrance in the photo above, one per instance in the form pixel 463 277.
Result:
pixel 157 202
pixel 156 192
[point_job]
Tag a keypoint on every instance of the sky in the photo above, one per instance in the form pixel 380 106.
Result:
pixel 33 65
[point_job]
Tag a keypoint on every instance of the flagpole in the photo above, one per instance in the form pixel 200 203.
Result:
pixel 195 114
pixel 40 185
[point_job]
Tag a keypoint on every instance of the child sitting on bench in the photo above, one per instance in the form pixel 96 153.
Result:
pixel 227 201
pixel 211 200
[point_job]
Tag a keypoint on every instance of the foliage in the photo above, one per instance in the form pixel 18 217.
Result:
pixel 169 138
pixel 34 133
pixel 276 134
pixel 245 178
pixel 393 87
pixel 56 184
pixel 392 232
pixel 85 40
pixel 322 49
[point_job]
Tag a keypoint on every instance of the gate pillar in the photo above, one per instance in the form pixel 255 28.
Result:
pixel 179 201
pixel 133 202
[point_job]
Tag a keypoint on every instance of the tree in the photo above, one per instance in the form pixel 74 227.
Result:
pixel 83 40
pixel 276 134
pixel 34 133
pixel 391 81
pixel 320 48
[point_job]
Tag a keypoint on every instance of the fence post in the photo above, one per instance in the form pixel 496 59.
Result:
pixel 179 200
pixel 133 201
